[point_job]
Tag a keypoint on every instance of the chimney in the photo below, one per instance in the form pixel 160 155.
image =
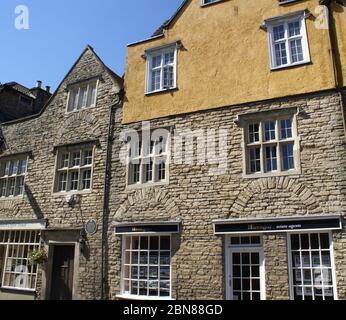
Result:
pixel 48 89
pixel 39 84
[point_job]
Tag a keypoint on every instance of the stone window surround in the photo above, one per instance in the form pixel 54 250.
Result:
pixel 92 145
pixel 141 185
pixel 21 155
pixel 244 119
pixel 80 83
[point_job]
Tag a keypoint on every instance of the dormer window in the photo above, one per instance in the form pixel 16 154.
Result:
pixel 161 69
pixel 82 96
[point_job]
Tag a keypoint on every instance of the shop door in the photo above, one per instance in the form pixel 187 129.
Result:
pixel 245 274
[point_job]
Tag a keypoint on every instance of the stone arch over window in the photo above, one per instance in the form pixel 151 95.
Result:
pixel 148 205
pixel 291 197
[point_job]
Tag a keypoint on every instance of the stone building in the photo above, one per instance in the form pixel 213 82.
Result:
pixel 234 180
pixel 52 181
pixel 17 101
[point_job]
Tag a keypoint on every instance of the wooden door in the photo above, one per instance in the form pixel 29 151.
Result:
pixel 62 273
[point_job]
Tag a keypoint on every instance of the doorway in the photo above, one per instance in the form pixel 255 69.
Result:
pixel 245 269
pixel 62 272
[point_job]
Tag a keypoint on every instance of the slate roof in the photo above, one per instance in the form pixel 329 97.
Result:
pixel 18 87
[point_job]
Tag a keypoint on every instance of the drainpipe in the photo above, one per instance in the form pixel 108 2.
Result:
pixel 105 215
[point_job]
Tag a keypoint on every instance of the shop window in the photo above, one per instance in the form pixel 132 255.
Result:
pixel 311 266
pixel 146 269
pixel 17 271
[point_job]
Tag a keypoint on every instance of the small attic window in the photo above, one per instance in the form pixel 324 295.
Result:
pixel 207 2
pixel 82 96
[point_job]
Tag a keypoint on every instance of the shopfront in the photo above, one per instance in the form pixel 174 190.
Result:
pixel 147 250
pixel 18 239
pixel 310 271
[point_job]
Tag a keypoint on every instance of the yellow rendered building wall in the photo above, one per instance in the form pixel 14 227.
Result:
pixel 225 60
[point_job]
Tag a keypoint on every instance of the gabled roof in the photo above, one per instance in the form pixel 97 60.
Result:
pixel 159 32
pixel 168 22
pixel 117 80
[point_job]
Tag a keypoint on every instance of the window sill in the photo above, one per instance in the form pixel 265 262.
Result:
pixel 274 174
pixel 161 91
pixel 273 69
pixel 146 185
pixel 18 290
pixel 142 298
pixel 76 193
pixel 4 199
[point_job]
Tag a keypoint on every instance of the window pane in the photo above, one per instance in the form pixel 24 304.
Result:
pixel 72 104
pixel 76 159
pixel 86 180
pixel 294 28
pixel 91 95
pixel 255 160
pixel 271 158
pixel 254 135
pixel 270 131
pixel 280 54
pixel 296 50
pixel 148 172
pixel 286 129
pixel 62 184
pixel 169 58
pixel 135 173
pixel 155 80
pixel 168 77
pixel 156 61
pixel 64 161
pixel 88 158
pixel 74 179
pixel 287 157
pixel 279 32
pixel 82 99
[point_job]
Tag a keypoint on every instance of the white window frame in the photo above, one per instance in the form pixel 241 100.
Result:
pixel 78 87
pixel 290 263
pixel 123 252
pixel 230 248
pixel 80 169
pixel 278 142
pixel 204 3
pixel 17 244
pixel 303 36
pixel 140 159
pixel 7 178
pixel 149 56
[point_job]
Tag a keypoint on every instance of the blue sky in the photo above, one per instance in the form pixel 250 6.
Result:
pixel 60 30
